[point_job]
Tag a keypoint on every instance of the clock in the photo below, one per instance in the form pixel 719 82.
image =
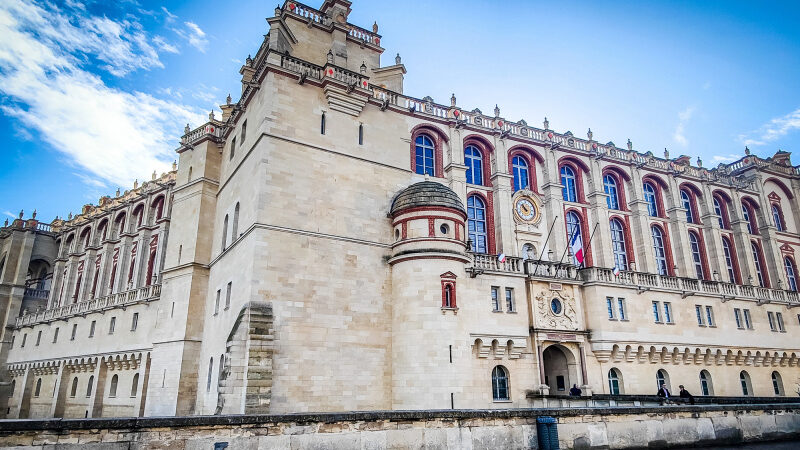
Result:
pixel 527 209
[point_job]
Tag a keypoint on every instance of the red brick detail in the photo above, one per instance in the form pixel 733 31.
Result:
pixel 762 262
pixel 620 177
pixel 529 155
pixel 703 255
pixel 431 230
pixel 486 148
pixel 457 229
pixel 660 186
pixel 448 280
pixel 724 200
pixel 787 249
pixel 438 137
pixel 751 206
pixel 404 227
pixel 579 168
pixel 782 185
pixel 434 208
pixel 626 229
pixel 667 246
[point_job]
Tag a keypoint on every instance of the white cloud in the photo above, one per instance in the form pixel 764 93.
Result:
pixel 163 45
pixel 683 117
pixel 772 130
pixel 113 135
pixel 168 16
pixel 725 158
pixel 193 35
pixel 10 214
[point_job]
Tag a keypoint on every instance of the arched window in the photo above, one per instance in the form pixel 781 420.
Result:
pixel 660 250
pixel 235 228
pixel 777 216
pixel 528 252
pixel 758 263
pixel 686 200
pixel 706 387
pixel 476 224
pixel 614 382
pixel 89 386
pixel 520 167
pixel 221 370
pixel 650 198
pixel 423 150
pixel 448 296
pixel 474 161
pixel 618 245
pixel 744 380
pixel 718 213
pixel 573 230
pixel 500 383
pixel 791 273
pixel 74 389
pixel 777 384
pixel 749 217
pixel 210 371
pixel 697 258
pixel 135 385
pixel 610 188
pixel 112 392
pixel 569 188
pixel 225 233
pixel 662 377
pixel 728 252
pixel 38 388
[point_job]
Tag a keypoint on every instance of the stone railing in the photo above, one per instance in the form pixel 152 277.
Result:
pixel 300 66
pixel 364 35
pixel 36 293
pixel 142 294
pixel 212 128
pixel 688 286
pixel 345 76
pixel 482 263
pixel 304 11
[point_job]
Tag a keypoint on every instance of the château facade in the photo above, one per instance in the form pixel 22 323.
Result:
pixel 332 244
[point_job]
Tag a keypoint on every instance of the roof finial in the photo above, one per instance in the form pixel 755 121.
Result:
pixel 186 129
pixel 34 214
pixel 136 183
pixel 211 115
pixel 375 27
pixel 6 224
pixel 154 175
pixel 228 99
pixel 496 111
pixel 666 153
pixel 330 56
pixel 546 124
pixel 117 193
pixel 453 100
pixel 746 150
pixel 630 145
pixel 363 67
pixel 249 61
pixel 397 59
pixel 277 11
pixel 69 217
pixel 174 165
pixel 699 162
pixel 21 213
pixel 589 134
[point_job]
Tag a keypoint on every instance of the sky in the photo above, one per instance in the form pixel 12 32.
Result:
pixel 95 94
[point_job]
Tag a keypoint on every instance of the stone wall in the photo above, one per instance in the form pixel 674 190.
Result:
pixel 586 428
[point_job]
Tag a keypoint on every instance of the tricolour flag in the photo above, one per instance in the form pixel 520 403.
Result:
pixel 576 245
pixel 501 257
pixel 616 271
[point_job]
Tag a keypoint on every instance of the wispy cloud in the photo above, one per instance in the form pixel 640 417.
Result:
pixel 725 158
pixel 679 135
pixel 195 36
pixel 163 45
pixel 772 130
pixel 112 134
pixel 168 16
pixel 10 214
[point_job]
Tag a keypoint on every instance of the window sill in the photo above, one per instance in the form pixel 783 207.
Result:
pixel 497 310
pixel 502 401
pixel 445 309
pixel 511 312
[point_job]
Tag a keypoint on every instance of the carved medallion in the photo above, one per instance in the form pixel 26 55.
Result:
pixel 556 311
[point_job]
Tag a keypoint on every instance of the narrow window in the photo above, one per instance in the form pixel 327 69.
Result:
pixel 744 379
pixel 495 299
pixel 225 233
pixel 423 154
pixel 24 338
pixel 659 250
pixel 747 321
pixel 244 133
pixel 656 313
pixel 38 388
pixel 779 321
pixel 135 385
pixel 448 296
pixel 661 379
pixel 621 309
pixel 791 273
pixel 520 169
pixel 499 383
pixel 667 312
pixel 728 253
pixel 210 371
pixel 718 213
pixel 235 228
pixel 651 199
pixel 476 224
pixel 74 389
pixel 746 215
pixel 91 328
pixel 55 336
pixel 610 188
pixel 777 383
pixel 698 310
pixel 89 386
pixel 771 320
pixel 613 382
pixel 112 325
pixel 233 148
pixel 216 302
pixel 575 237
pixel 134 321
pixel 610 307
pixel 474 162
pixel 777 217
pixel 228 295
pixel 360 134
pixel 709 316
pixel 694 245
pixel 737 314
pixel 74 331
pixel 686 200
pixel 112 392
pixel 757 261
pixel 510 300
pixel 705 383
pixel 322 123
pixel 569 188
pixel 38 337
pixel 618 245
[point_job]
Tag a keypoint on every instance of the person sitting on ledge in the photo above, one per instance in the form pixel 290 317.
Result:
pixel 575 391
pixel 686 396
pixel 663 392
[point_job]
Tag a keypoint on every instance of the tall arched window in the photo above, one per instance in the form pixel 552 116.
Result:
pixel 718 213
pixel 706 387
pixel 423 149
pixel 135 385
pixel 500 383
pixel 569 188
pixel 650 198
pixel 749 218
pixel 520 167
pixel 38 388
pixel 744 380
pixel 618 245
pixel 225 233
pixel 112 392
pixel 686 200
pixel 662 378
pixel 448 296
pixel 791 273
pixel 74 389
pixel 574 228
pixel 660 250
pixel 758 264
pixel 210 371
pixel 777 217
pixel 777 383
pixel 610 188
pixel 694 245
pixel 235 227
pixel 474 161
pixel 614 384
pixel 89 386
pixel 476 224
pixel 728 253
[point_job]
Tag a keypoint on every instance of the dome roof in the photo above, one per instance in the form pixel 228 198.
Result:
pixel 426 193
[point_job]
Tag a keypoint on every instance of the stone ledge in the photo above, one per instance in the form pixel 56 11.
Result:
pixel 133 423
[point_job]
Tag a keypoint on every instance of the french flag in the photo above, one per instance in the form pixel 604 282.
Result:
pixel 576 245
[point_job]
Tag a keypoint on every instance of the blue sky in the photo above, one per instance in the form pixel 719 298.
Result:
pixel 94 94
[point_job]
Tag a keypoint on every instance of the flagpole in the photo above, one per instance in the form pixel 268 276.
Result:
pixel 541 254
pixel 569 240
pixel 588 245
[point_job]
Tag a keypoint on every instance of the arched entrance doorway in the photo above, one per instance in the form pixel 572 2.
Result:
pixel 560 369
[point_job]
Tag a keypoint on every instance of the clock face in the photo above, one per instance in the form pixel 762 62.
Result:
pixel 526 209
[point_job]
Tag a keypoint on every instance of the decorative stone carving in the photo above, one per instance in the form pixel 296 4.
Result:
pixel 562 316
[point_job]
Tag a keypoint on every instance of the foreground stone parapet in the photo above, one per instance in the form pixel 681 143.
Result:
pixel 586 428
